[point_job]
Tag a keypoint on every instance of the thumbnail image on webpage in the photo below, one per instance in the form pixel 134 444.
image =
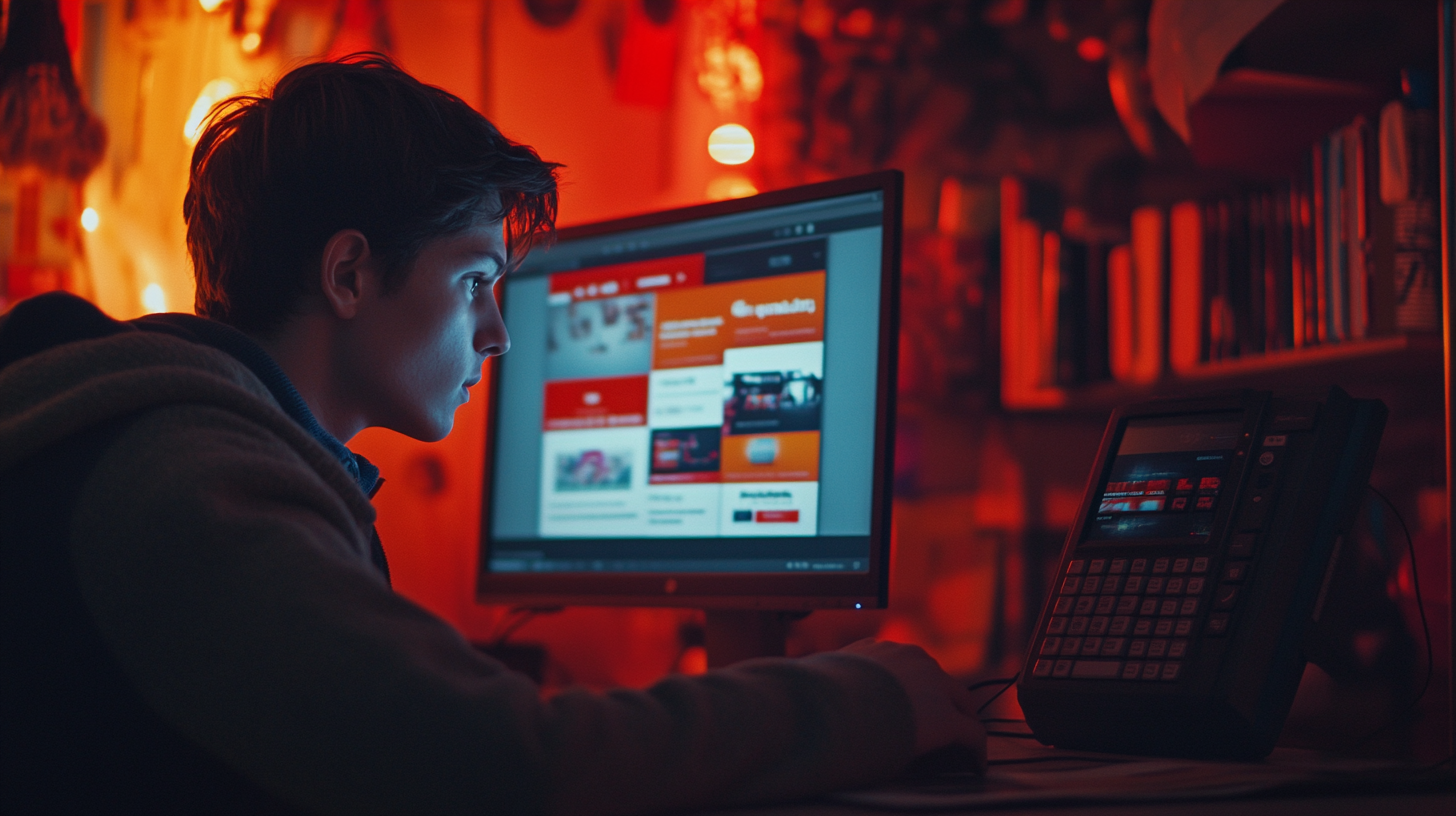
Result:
pixel 680 408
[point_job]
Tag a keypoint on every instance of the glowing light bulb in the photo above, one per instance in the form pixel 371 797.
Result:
pixel 730 186
pixel 90 220
pixel 212 93
pixel 210 5
pixel 730 144
pixel 250 42
pixel 154 299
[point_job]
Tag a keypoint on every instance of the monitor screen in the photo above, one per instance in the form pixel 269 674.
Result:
pixel 1166 479
pixel 697 403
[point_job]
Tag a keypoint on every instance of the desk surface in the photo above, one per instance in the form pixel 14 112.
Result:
pixel 1061 782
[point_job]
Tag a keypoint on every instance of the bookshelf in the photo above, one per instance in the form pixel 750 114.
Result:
pixel 1412 364
pixel 1397 361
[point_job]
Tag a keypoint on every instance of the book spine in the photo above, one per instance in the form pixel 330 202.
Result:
pixel 1150 270
pixel 1185 282
pixel 1095 364
pixel 1336 193
pixel 1297 262
pixel 1120 313
pixel 1050 297
pixel 1281 270
pixel 1321 243
pixel 1357 229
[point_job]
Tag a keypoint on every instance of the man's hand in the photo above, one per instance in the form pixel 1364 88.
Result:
pixel 945 712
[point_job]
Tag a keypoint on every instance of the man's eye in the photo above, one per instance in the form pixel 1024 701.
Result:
pixel 475 285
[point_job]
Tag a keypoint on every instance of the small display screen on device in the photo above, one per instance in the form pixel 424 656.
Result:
pixel 1166 480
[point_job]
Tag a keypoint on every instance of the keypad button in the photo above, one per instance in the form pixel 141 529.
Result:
pixel 1117 566
pixel 1137 648
pixel 1097 670
pixel 1130 670
pixel 1161 565
pixel 1091 584
pixel 1071 645
pixel 1169 607
pixel 1113 646
pixel 1158 648
pixel 1195 585
pixel 1076 567
pixel 1062 606
pixel 1188 607
pixel 1091 646
pixel 1200 565
pixel 1098 625
pixel 1151 670
pixel 1096 566
pixel 1062 668
pixel 1143 627
pixel 1042 668
pixel 1057 626
pixel 1174 586
pixel 1243 545
pixel 1155 586
pixel 1171 670
pixel 1180 566
pixel 1121 625
pixel 1084 605
pixel 1070 585
pixel 1106 604
pixel 1178 649
pixel 1235 571
pixel 1079 625
pixel 1111 584
pixel 1218 624
pixel 1134 584
pixel 1149 607
pixel 1183 627
pixel 1266 458
pixel 1163 627
pixel 1051 646
pixel 1139 566
pixel 1126 604
pixel 1225 596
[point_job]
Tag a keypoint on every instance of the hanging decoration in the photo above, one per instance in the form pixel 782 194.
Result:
pixel 728 67
pixel 49 143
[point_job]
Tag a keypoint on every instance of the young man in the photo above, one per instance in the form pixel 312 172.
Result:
pixel 197 610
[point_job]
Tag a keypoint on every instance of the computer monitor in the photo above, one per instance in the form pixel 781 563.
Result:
pixel 697 408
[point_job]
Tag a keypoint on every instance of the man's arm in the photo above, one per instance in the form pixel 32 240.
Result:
pixel 229 581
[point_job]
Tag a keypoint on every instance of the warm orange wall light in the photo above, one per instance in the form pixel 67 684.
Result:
pixel 730 144
pixel 212 93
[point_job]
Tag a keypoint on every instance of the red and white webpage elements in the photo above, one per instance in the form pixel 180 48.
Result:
pixel 675 408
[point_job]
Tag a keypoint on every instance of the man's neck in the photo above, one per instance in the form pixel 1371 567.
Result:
pixel 306 348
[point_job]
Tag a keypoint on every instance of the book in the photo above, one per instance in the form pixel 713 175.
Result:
pixel 1120 313
pixel 1186 344
pixel 1149 292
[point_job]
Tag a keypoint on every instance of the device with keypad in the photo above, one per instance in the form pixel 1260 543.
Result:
pixel 1200 558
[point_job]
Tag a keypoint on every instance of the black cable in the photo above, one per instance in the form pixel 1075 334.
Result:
pixel 518 616
pixel 1009 683
pixel 1002 720
pixel 1420 608
pixel 992 682
pixel 1012 734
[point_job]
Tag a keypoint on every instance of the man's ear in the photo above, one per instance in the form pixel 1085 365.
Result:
pixel 346 271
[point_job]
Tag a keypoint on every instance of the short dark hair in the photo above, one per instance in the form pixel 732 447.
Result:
pixel 351 144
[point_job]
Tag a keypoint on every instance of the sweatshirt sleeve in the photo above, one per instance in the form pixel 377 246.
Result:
pixel 228 580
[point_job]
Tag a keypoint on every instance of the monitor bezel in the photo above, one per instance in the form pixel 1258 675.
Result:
pixel 766 591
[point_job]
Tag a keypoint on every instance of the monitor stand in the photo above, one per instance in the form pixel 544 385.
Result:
pixel 734 635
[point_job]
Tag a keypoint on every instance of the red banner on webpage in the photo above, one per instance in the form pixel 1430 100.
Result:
pixel 630 278
pixel 694 326
pixel 614 402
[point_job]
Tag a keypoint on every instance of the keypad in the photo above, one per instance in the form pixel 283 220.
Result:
pixel 1137 618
